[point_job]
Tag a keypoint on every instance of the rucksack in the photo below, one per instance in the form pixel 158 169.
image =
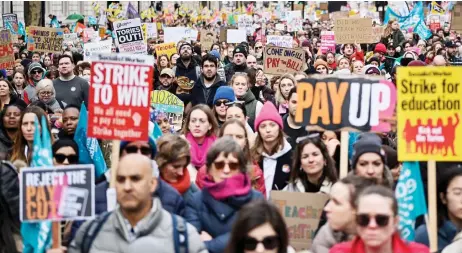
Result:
pixel 180 233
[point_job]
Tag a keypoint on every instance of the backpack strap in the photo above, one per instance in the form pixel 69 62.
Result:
pixel 180 235
pixel 92 231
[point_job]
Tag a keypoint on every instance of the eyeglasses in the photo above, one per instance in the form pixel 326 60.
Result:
pixel 221 102
pixel 134 149
pixel 72 159
pixel 364 219
pixel 269 242
pixel 46 93
pixel 221 165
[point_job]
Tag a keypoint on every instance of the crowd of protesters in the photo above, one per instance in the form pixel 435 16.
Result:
pixel 239 141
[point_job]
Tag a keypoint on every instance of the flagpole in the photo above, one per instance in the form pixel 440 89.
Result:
pixel 56 232
pixel 114 162
pixel 432 210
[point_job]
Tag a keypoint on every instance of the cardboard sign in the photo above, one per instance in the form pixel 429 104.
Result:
pixel 166 48
pixel 301 212
pixel 207 40
pixel 169 104
pixel 100 47
pixel 6 50
pixel 353 30
pixel 377 33
pixel 43 39
pixel 57 193
pixel 236 36
pixel 456 18
pixel 280 41
pixel 245 22
pixel 339 14
pixel 149 30
pixel 429 113
pixel 280 60
pixel 344 103
pixel 129 37
pixel 327 41
pixel 175 34
pixel 120 86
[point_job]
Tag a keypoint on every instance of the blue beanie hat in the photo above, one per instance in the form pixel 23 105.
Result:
pixel 224 92
pixel 216 54
pixel 151 142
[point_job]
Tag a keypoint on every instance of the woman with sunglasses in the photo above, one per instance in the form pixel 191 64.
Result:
pixel 240 84
pixel 376 224
pixel 65 152
pixel 223 97
pixel 449 205
pixel 259 227
pixel 199 129
pixel 227 188
pixel 286 83
pixel 313 168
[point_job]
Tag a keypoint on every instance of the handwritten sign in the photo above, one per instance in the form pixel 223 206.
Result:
pixel 327 41
pixel 57 193
pixel 175 34
pixel 207 39
pixel 6 52
pixel 429 112
pixel 280 60
pixel 334 103
pixel 100 47
pixel 353 30
pixel 166 48
pixel 294 21
pixel 120 86
pixel 301 212
pixel 377 33
pixel 149 30
pixel 244 22
pixel 10 22
pixel 129 37
pixel 42 39
pixel 169 104
pixel 280 41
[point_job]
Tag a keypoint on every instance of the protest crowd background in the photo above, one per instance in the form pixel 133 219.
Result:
pixel 252 127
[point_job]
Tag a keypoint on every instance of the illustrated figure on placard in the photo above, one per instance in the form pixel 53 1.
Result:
pixel 430 145
pixel 449 132
pixel 418 144
pixel 410 133
pixel 439 145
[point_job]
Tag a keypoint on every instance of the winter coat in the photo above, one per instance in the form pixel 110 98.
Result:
pixel 193 71
pixel 15 100
pixel 326 238
pixel 232 68
pixel 298 186
pixel 9 188
pixel 154 231
pixel 446 234
pixel 398 246
pixel 397 37
pixel 216 217
pixel 6 144
pixel 455 246
pixel 252 107
pixel 198 92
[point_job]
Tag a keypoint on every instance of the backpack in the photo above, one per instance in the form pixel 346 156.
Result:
pixel 180 233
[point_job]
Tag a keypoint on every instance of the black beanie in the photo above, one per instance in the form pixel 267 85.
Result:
pixel 65 143
pixel 240 49
pixel 185 44
pixel 367 143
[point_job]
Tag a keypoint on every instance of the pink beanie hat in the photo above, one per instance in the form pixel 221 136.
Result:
pixel 268 112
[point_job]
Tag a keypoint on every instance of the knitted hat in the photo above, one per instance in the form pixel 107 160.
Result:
pixel 185 44
pixel 320 62
pixel 60 143
pixel 224 92
pixel 151 142
pixel 380 48
pixel 35 65
pixel 268 112
pixel 216 54
pixel 416 63
pixel 392 156
pixel 240 49
pixel 367 143
pixel 306 43
pixel 370 69
pixel 372 59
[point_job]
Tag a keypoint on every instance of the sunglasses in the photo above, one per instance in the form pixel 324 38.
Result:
pixel 381 220
pixel 72 159
pixel 133 149
pixel 258 47
pixel 269 242
pixel 221 102
pixel 221 165
pixel 36 72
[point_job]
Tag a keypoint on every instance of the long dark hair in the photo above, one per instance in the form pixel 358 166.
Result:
pixel 444 179
pixel 329 171
pixel 253 215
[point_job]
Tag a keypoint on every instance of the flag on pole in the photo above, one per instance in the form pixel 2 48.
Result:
pixel 131 12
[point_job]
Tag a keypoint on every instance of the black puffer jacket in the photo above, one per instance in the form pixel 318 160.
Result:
pixel 9 189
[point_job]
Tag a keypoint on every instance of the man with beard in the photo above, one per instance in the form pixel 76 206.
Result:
pixel 239 63
pixel 207 84
pixel 451 52
pixel 186 66
pixel 293 130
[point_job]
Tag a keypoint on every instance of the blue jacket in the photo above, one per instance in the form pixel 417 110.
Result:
pixel 216 217
pixel 446 234
pixel 169 197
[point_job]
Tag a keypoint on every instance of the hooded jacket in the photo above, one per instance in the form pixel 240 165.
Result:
pixel 193 71
pixel 326 238
pixel 154 231
pixel 199 91
pixel 252 107
pixel 232 68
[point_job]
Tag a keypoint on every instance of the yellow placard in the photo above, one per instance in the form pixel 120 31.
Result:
pixel 166 48
pixel 429 112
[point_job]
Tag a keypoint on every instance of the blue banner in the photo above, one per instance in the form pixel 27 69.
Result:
pixel 414 22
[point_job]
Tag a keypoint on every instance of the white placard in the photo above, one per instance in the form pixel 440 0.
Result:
pixel 175 34
pixel 280 41
pixel 101 47
pixel 236 36
pixel 130 37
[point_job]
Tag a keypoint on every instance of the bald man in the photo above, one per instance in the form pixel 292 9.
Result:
pixel 139 223
pixel 251 61
pixel 439 61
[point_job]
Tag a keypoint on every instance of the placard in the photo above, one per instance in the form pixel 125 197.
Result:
pixel 280 27
pixel 456 17
pixel 280 41
pixel 377 33
pixel 301 212
pixel 100 47
pixel 294 21
pixel 43 39
pixel 169 104
pixel 10 22
pixel 236 36
pixel 353 30
pixel 429 113
pixel 70 36
pixel 346 103
pixel 6 50
pixel 129 37
pixel 166 48
pixel 207 40
pixel 175 34
pixel 60 193
pixel 120 86
pixel 245 22
pixel 340 14
pixel 327 42
pixel 149 30
pixel 281 60
pixel 89 34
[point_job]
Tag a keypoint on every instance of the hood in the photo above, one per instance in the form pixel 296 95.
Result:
pixel 287 147
pixel 192 64
pixel 217 81
pixel 248 97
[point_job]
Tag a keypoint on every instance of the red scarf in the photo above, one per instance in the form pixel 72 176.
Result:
pixel 183 183
pixel 238 185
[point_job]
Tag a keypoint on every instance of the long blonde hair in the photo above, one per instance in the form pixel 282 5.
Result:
pixel 279 97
